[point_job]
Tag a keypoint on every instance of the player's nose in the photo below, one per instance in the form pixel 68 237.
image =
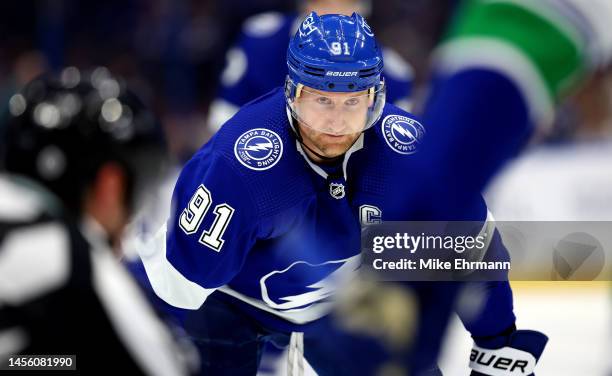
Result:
pixel 335 125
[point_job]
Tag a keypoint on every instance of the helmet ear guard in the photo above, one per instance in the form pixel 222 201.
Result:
pixel 292 91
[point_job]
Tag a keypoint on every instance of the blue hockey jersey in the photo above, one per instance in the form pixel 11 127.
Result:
pixel 257 64
pixel 255 218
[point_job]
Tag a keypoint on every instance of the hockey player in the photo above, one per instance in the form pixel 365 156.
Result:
pixel 266 217
pixel 78 152
pixel 249 73
pixel 498 75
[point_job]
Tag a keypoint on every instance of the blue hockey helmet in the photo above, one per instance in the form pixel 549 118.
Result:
pixel 335 54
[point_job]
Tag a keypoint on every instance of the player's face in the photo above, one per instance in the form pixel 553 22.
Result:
pixel 333 113
pixel 326 144
pixel 331 122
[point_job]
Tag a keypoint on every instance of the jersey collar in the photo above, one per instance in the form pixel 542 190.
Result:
pixel 358 145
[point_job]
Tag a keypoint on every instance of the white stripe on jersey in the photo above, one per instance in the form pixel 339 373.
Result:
pixel 303 316
pixel 167 282
pixel 142 333
pixel 33 261
pixel 12 341
pixel 18 201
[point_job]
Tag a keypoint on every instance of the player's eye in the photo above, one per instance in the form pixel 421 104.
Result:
pixel 351 101
pixel 324 100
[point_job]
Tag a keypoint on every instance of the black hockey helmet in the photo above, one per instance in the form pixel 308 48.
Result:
pixel 59 130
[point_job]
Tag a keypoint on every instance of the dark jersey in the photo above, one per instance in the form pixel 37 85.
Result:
pixel 62 292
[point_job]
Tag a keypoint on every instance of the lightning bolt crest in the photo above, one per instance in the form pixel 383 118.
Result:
pixel 261 146
pixel 399 129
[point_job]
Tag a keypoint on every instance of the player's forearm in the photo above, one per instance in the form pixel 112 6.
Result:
pixel 486 306
pixel 471 135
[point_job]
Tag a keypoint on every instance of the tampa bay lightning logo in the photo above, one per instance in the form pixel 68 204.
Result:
pixel 258 149
pixel 402 133
pixel 302 284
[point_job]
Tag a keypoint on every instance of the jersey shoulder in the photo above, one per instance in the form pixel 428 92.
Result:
pixel 35 241
pixel 389 153
pixel 258 145
pixel 269 32
pixel 248 72
pixel 397 134
pixel 22 200
pixel 267 25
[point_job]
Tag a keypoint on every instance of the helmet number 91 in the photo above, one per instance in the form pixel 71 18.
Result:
pixel 337 48
pixel 194 213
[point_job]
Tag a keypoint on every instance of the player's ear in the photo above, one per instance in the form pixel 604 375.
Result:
pixel 106 200
pixel 110 183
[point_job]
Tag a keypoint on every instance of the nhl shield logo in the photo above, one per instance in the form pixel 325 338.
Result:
pixel 258 149
pixel 402 133
pixel 336 190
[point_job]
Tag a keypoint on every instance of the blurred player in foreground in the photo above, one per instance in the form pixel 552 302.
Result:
pixel 498 75
pixel 79 151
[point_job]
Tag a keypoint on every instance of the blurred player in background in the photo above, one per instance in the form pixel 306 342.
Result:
pixel 79 153
pixel 256 64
